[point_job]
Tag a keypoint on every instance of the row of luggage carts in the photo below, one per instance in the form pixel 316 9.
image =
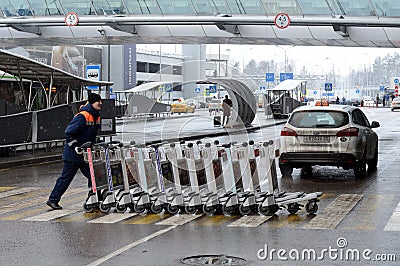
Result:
pixel 180 177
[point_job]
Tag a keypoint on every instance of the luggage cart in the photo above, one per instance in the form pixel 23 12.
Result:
pixel 191 197
pixel 135 162
pixel 228 195
pixel 113 168
pixel 247 199
pixel 129 168
pixel 212 164
pixel 174 193
pixel 270 201
pixel 164 198
pixel 94 155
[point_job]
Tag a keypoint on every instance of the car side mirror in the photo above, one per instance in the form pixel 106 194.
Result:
pixel 375 124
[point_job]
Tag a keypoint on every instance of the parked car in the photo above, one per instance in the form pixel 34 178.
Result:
pixel 215 105
pixel 338 135
pixel 355 101
pixel 181 107
pixel 395 104
pixel 368 101
pixel 196 103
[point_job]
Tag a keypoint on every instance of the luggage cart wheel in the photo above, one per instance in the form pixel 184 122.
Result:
pixel 156 208
pixel 268 210
pixel 87 208
pixel 104 207
pixel 244 210
pixel 173 209
pixel 190 209
pixel 227 210
pixel 120 208
pixel 311 207
pixel 138 208
pixel 209 210
pixel 293 208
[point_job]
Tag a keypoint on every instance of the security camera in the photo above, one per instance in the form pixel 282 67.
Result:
pixel 101 31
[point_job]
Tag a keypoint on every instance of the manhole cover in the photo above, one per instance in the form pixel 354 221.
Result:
pixel 213 260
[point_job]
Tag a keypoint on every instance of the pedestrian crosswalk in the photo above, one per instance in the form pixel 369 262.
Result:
pixel 336 211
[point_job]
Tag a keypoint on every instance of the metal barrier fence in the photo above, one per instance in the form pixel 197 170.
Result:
pixel 30 130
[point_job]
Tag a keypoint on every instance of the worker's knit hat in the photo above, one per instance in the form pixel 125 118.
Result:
pixel 93 97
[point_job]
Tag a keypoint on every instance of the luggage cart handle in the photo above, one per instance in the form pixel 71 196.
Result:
pixel 79 150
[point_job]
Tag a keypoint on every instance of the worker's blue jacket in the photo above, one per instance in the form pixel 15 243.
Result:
pixel 82 128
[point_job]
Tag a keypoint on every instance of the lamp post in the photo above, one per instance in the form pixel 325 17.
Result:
pixel 243 54
pixel 285 49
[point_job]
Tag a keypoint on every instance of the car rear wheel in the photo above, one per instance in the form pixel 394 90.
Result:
pixel 286 170
pixel 373 163
pixel 361 168
pixel 306 171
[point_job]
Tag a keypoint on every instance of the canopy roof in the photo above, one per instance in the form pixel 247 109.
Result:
pixel 146 86
pixel 26 68
pixel 287 85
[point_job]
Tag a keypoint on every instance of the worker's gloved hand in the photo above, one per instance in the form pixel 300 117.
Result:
pixel 78 150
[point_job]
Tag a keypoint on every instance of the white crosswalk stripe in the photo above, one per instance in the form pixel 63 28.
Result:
pixel 329 216
pixel 394 221
pixel 51 215
pixel 34 201
pixel 17 191
pixel 180 219
pixel 250 221
pixel 334 213
pixel 112 218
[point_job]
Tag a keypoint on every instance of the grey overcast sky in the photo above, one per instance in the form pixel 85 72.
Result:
pixel 317 59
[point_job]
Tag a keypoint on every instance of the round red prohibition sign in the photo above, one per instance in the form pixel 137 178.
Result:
pixel 282 20
pixel 71 19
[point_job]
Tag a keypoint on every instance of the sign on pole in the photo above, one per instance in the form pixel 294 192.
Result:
pixel 282 20
pixel 328 86
pixel 71 19
pixel 93 73
pixel 270 77
pixel 168 87
pixel 285 76
pixel 213 89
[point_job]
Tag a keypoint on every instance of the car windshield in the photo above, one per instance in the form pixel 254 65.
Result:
pixel 319 119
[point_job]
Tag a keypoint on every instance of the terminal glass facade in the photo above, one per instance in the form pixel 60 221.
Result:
pixel 18 8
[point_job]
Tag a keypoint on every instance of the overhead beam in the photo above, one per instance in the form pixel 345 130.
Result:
pixel 27 28
pixel 202 20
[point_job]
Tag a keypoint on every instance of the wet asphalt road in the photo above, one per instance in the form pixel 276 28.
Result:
pixel 361 213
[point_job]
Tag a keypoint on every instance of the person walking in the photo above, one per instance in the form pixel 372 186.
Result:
pixel 81 129
pixel 226 110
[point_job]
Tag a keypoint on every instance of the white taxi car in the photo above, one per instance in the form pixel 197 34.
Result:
pixel 336 135
pixel 395 104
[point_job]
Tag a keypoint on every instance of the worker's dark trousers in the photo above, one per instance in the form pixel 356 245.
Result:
pixel 68 173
